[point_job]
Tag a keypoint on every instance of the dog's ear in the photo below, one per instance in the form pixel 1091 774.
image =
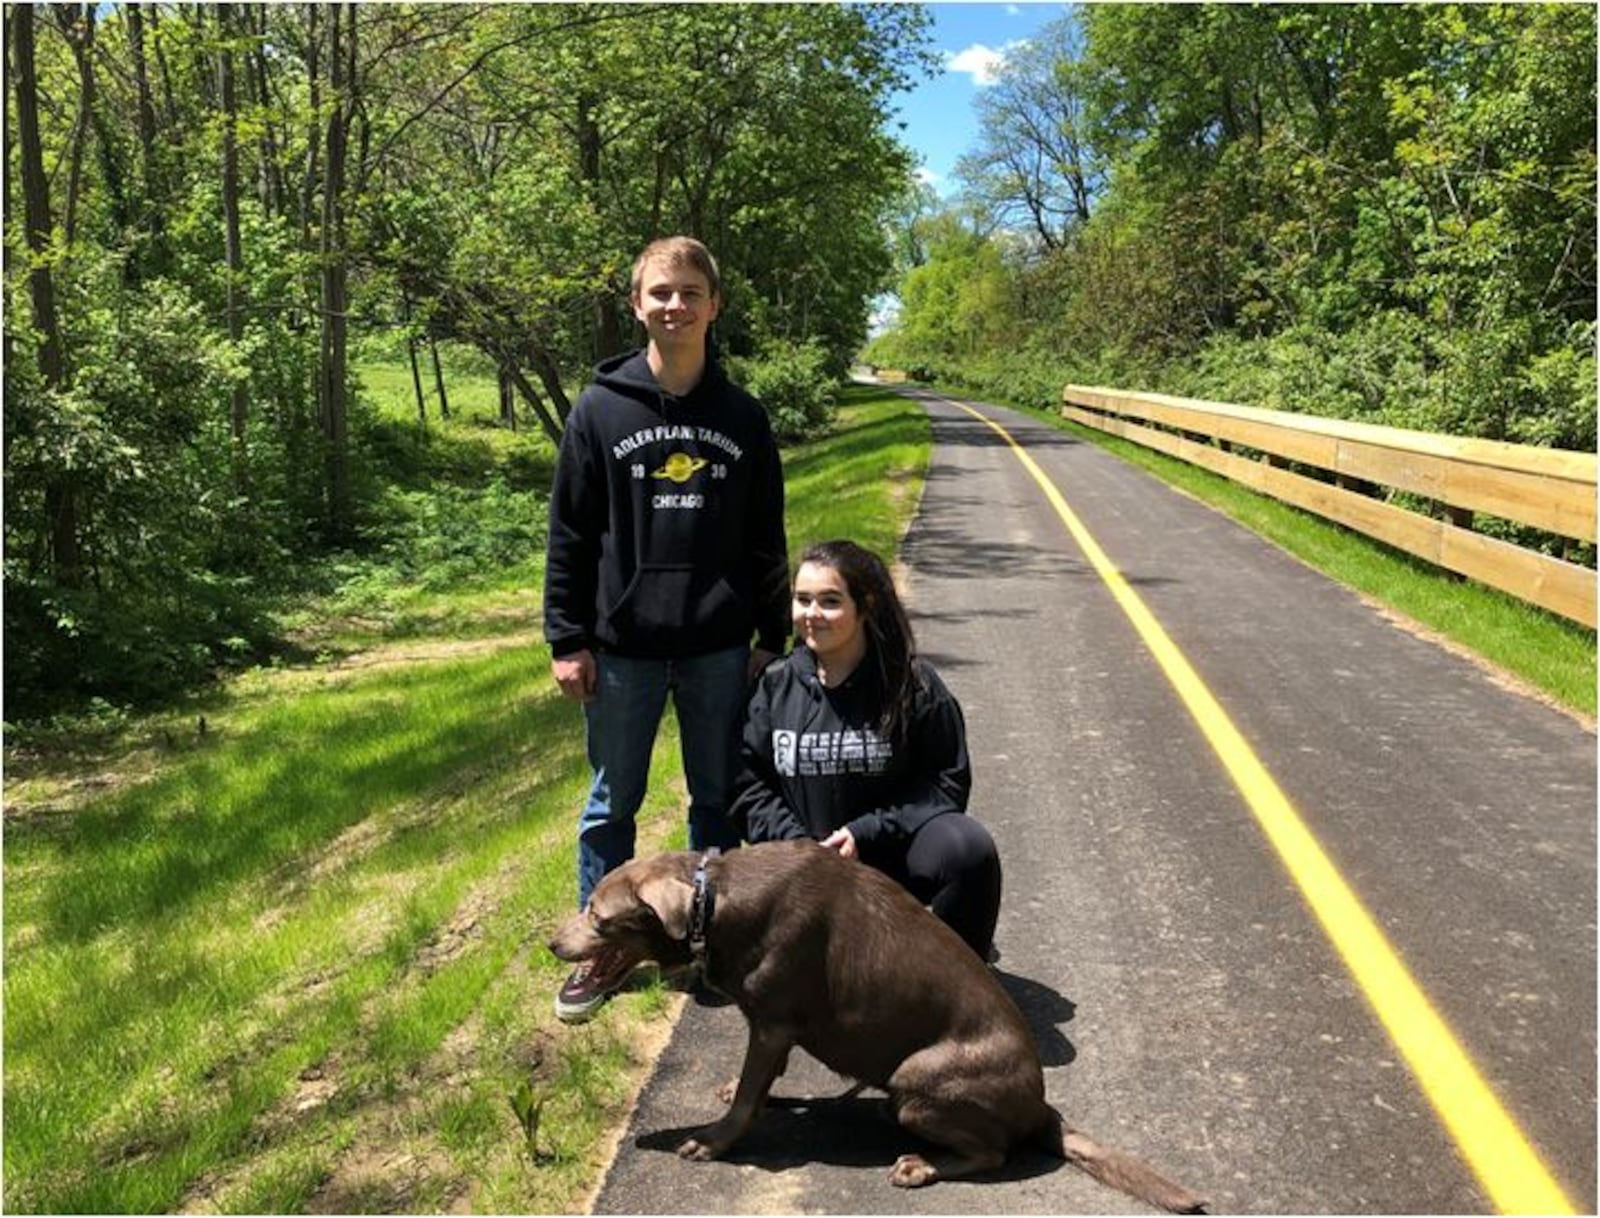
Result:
pixel 672 900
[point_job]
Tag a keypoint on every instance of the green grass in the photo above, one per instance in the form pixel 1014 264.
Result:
pixel 864 480
pixel 294 961
pixel 1549 654
pixel 179 953
pixel 473 391
pixel 463 499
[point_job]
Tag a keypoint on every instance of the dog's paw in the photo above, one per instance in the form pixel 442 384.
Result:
pixel 912 1171
pixel 698 1151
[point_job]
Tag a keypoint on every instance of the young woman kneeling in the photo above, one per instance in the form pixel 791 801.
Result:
pixel 853 740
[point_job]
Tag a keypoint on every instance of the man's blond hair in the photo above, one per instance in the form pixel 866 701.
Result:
pixel 678 252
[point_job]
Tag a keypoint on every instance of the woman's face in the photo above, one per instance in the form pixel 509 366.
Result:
pixel 826 617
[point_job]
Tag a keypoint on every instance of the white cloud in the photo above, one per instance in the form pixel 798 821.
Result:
pixel 980 62
pixel 927 177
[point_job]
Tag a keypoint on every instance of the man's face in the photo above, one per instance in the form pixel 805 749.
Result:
pixel 675 304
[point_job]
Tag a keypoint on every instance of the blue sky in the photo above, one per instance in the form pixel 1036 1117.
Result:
pixel 972 39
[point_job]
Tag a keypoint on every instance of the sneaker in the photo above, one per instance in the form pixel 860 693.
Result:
pixel 587 989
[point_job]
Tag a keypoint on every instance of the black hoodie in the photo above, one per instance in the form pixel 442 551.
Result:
pixel 813 760
pixel 666 520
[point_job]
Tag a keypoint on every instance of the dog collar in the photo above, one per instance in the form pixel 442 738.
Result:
pixel 705 902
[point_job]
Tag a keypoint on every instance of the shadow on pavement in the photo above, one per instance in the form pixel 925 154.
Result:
pixel 812 1118
pixel 968 432
pixel 949 550
pixel 1045 1010
pixel 860 1131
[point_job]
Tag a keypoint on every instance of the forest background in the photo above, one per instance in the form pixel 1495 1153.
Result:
pixel 219 217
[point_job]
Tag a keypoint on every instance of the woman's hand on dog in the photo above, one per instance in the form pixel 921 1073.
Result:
pixel 843 841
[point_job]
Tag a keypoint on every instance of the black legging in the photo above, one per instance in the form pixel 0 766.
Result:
pixel 950 864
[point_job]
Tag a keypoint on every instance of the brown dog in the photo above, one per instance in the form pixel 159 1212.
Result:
pixel 828 954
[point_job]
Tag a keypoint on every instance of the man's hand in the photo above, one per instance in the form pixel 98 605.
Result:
pixel 759 659
pixel 575 674
pixel 843 841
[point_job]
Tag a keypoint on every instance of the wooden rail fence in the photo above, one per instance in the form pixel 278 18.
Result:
pixel 1551 490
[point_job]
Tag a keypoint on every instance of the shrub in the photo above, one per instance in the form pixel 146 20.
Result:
pixel 444 537
pixel 793 382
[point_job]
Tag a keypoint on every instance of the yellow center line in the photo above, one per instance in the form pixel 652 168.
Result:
pixel 1493 1146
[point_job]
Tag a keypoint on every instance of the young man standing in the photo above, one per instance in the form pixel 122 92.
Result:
pixel 666 556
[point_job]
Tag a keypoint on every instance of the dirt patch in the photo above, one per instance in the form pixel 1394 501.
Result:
pixel 379 1180
pixel 315 1089
pixel 456 936
pixel 359 840
pixel 419 651
pixel 43 790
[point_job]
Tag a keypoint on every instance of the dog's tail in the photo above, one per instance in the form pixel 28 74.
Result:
pixel 1117 1170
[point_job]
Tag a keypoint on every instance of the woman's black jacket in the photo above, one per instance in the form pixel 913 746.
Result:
pixel 814 759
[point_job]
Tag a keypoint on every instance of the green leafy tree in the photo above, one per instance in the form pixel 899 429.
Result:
pixel 1375 210
pixel 1035 166
pixel 210 205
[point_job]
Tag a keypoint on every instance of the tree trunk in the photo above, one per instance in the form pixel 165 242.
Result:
pixel 167 99
pixel 269 173
pixel 153 213
pixel 416 381
pixel 333 410
pixel 77 27
pixel 508 399
pixel 438 377
pixel 60 496
pixel 607 334
pixel 308 186
pixel 550 378
pixel 233 251
pixel 546 420
pixel 416 368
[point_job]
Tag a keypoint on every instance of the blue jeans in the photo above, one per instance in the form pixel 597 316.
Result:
pixel 710 693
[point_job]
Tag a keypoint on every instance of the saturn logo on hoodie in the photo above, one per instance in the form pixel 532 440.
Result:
pixel 680 467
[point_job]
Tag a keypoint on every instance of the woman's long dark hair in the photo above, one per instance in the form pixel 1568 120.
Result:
pixel 890 644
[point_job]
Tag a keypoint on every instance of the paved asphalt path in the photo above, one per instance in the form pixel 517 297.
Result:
pixel 1188 1006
